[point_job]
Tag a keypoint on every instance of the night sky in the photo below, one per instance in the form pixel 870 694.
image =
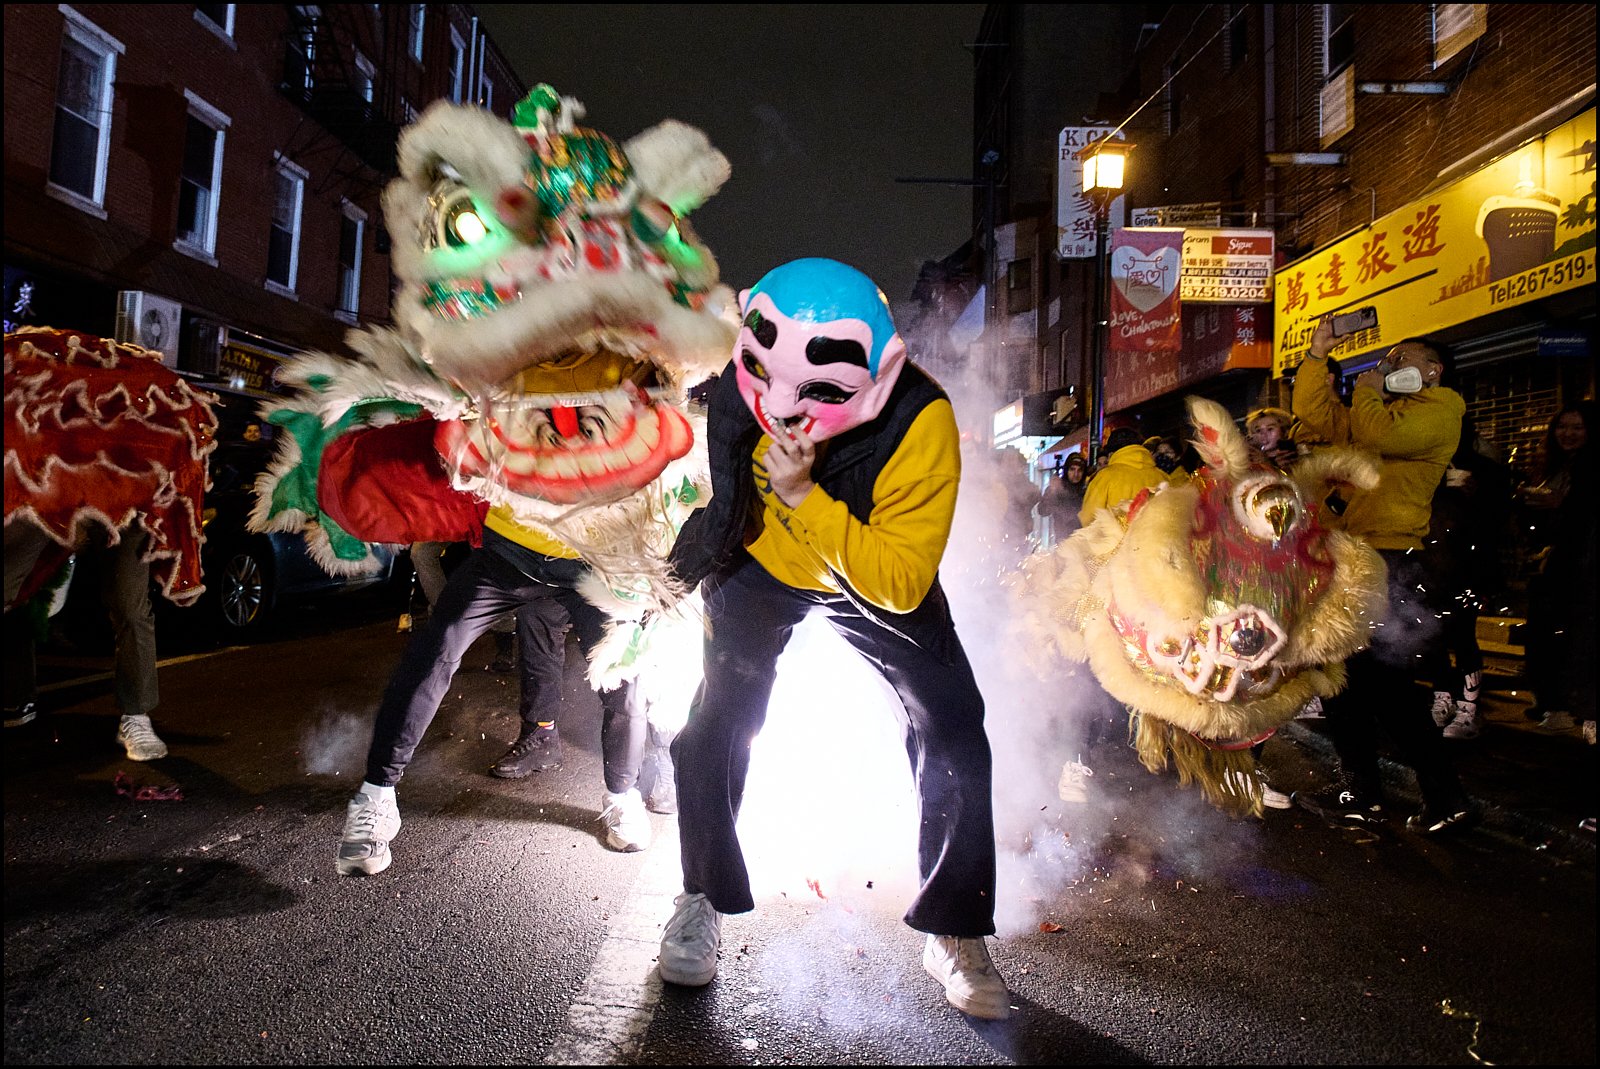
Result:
pixel 819 108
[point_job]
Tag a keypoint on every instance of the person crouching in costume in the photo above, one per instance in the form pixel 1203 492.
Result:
pixel 844 459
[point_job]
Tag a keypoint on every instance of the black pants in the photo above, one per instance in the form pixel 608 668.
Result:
pixel 1383 694
pixel 499 578
pixel 751 617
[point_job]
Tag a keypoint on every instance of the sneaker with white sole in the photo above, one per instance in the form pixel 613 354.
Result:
pixel 139 738
pixel 626 820
pixel 971 982
pixel 370 822
pixel 690 942
pixel 1311 710
pixel 1444 708
pixel 1272 799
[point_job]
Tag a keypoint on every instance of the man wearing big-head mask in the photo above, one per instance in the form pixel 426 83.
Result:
pixel 1400 411
pixel 834 467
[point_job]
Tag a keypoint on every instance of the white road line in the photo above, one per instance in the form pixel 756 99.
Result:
pixel 608 1020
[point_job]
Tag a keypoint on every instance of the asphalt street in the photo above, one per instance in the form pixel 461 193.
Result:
pixel 1139 926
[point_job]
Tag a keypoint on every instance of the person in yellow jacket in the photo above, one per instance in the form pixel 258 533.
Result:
pixel 1401 411
pixel 1131 468
pixel 835 463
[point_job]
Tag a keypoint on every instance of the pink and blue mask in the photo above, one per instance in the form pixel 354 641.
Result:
pixel 817 350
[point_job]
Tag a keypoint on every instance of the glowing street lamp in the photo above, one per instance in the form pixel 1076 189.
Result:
pixel 1104 167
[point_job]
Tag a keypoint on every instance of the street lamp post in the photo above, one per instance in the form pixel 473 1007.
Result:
pixel 1104 162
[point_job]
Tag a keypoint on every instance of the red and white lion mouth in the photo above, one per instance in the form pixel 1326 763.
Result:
pixel 569 449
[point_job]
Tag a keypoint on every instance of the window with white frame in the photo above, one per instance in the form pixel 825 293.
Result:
pixel 458 65
pixel 419 13
pixel 200 177
pixel 219 16
pixel 1338 37
pixel 283 240
pixel 352 229
pixel 485 93
pixel 84 86
pixel 365 73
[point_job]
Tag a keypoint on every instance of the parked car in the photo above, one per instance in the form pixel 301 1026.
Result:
pixel 249 577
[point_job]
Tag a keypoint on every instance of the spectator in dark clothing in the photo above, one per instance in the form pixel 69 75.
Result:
pixel 1462 557
pixel 1063 498
pixel 1560 606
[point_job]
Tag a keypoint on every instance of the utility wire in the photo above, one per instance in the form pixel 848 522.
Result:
pixel 1174 76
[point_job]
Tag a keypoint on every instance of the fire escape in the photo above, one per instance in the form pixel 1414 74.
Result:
pixel 341 68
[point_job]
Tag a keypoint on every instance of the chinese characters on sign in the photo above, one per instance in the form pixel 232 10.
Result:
pixel 1075 215
pixel 1519 229
pixel 1227 266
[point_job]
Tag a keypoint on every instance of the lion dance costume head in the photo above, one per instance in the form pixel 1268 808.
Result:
pixel 554 307
pixel 1213 610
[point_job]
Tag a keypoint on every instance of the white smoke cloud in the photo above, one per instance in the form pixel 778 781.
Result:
pixel 334 743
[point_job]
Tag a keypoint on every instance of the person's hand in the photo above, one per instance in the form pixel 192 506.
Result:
pixel 1371 377
pixel 789 462
pixel 1322 338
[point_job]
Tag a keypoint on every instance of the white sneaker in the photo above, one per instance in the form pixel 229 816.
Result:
pixel 370 822
pixel 1074 785
pixel 139 738
pixel 1311 710
pixel 1465 724
pixel 971 982
pixel 690 942
pixel 627 822
pixel 1444 708
pixel 1588 732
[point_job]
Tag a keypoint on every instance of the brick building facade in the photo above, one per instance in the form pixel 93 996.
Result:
pixel 1308 120
pixel 206 179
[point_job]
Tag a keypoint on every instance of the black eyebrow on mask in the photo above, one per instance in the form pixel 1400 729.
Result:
pixel 764 329
pixel 835 351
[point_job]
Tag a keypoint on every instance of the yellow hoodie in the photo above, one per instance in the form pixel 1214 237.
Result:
pixel 1414 435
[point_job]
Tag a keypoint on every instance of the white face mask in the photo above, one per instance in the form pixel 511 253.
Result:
pixel 1405 380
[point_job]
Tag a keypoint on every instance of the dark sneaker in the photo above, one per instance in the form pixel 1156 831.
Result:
pixel 1434 821
pixel 536 750
pixel 1340 804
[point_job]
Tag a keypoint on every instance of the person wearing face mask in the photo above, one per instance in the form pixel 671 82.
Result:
pixel 1402 412
pixel 835 464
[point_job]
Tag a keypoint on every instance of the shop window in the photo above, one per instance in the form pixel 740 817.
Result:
pixel 82 136
pixel 200 179
pixel 352 228
pixel 283 240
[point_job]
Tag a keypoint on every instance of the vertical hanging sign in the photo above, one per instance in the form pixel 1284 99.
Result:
pixel 1075 215
pixel 1145 267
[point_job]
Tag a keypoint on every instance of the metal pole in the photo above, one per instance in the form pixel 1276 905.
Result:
pixel 1097 370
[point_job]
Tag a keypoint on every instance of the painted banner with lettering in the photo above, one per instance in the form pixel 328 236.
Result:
pixel 1227 266
pixel 1516 230
pixel 1145 265
pixel 1216 338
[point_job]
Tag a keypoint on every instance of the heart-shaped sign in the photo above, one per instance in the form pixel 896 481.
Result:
pixel 1145 279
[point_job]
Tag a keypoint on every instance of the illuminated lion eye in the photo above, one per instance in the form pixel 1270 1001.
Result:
pixel 462 225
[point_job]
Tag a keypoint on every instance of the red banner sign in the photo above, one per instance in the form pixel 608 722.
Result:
pixel 1145 265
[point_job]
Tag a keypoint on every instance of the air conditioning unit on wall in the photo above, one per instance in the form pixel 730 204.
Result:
pixel 151 321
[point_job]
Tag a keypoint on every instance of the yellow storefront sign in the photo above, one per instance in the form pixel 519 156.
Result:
pixel 1519 229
